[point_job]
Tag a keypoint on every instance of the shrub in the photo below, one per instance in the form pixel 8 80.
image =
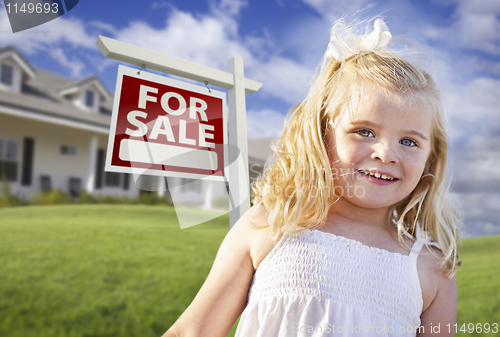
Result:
pixel 85 197
pixel 53 197
pixel 147 198
pixel 7 199
pixel 108 199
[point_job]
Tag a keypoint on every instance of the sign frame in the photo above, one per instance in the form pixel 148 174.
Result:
pixel 233 80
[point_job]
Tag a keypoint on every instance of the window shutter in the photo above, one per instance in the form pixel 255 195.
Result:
pixel 126 178
pixel 27 169
pixel 99 168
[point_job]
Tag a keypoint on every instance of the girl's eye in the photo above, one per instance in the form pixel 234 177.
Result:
pixel 408 142
pixel 365 133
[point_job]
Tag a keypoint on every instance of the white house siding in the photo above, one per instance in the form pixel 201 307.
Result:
pixel 48 159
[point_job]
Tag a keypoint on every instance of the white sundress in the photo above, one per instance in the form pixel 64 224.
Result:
pixel 319 284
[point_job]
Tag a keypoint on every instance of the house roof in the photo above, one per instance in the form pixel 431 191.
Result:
pixel 76 86
pixel 41 94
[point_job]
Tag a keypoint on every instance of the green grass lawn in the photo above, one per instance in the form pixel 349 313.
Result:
pixel 479 284
pixel 129 270
pixel 100 270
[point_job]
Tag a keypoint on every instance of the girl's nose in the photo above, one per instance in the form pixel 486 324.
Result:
pixel 384 152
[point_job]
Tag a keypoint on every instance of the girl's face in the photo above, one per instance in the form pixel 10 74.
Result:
pixel 379 151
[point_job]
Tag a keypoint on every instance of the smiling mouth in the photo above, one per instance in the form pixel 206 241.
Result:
pixel 377 175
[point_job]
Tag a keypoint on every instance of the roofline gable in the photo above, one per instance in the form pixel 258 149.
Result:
pixel 75 87
pixel 19 59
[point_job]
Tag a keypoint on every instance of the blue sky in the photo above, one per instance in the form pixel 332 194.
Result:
pixel 282 42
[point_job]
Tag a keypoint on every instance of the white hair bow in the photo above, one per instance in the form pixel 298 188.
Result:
pixel 378 38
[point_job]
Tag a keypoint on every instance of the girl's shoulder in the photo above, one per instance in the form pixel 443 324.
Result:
pixel 439 291
pixel 432 279
pixel 253 230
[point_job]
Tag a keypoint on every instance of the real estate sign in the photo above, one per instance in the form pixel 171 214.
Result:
pixel 164 127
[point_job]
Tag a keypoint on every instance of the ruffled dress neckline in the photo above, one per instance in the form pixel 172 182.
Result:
pixel 315 281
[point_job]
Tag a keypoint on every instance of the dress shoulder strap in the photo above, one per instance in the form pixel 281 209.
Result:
pixel 418 244
pixel 422 239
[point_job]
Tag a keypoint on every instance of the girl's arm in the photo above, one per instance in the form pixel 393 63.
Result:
pixel 223 296
pixel 441 315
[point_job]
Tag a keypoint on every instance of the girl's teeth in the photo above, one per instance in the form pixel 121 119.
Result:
pixel 378 175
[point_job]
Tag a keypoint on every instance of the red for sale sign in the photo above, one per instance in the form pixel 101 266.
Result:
pixel 166 127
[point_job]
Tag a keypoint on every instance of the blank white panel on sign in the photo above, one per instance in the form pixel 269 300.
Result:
pixel 163 154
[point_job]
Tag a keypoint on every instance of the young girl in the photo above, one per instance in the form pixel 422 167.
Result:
pixel 340 238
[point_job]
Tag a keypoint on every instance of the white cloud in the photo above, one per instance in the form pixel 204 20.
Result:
pixel 333 10
pixel 474 105
pixel 485 66
pixel 161 4
pixel 480 31
pixel 477 171
pixel 264 124
pixel 209 39
pixel 231 7
pixel 476 25
pixel 475 122
pixel 491 229
pixel 213 39
pixel 102 26
pixel 76 67
pixel 480 212
pixel 479 6
pixel 283 78
pixel 205 40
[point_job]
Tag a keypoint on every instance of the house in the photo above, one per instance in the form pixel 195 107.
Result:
pixel 54 134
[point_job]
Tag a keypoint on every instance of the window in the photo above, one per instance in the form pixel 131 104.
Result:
pixel 89 98
pixel 7 74
pixel 75 186
pixel 68 150
pixel 112 179
pixel 9 159
pixel 45 183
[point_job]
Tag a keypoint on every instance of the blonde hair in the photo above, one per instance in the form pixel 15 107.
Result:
pixel 297 187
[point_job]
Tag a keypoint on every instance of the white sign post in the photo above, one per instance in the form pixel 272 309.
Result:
pixel 237 86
